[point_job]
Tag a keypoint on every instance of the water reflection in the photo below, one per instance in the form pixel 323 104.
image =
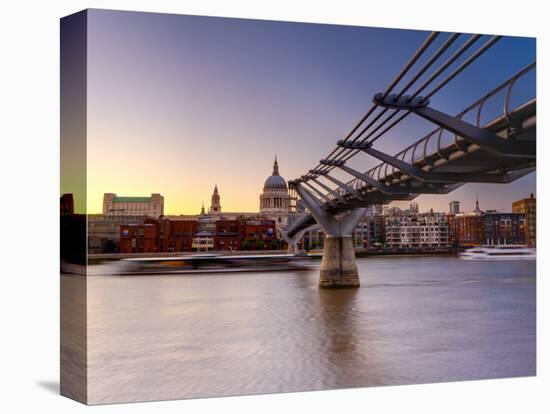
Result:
pixel 165 337
pixel 339 328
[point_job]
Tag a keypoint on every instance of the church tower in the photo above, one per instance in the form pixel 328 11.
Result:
pixel 215 207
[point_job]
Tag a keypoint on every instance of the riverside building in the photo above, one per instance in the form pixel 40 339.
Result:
pixel 504 228
pixel 528 207
pixel 416 230
pixel 152 206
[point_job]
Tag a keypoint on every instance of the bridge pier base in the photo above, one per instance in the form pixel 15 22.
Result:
pixel 338 267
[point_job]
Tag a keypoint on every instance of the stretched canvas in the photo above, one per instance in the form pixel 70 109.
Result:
pixel 253 206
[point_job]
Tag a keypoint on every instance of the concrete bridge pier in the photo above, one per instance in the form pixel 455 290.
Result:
pixel 338 266
pixel 293 248
pixel 293 241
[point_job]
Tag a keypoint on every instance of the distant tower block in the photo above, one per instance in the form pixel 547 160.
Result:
pixel 454 207
pixel 215 206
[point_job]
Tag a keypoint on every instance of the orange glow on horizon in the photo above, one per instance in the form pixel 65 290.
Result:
pixel 177 202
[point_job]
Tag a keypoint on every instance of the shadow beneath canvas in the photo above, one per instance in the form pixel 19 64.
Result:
pixel 51 386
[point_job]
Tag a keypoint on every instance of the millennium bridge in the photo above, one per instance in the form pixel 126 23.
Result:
pixel 499 151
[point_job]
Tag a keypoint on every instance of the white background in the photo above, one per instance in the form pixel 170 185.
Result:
pixel 29 170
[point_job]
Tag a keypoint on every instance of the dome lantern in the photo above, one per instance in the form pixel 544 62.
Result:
pixel 275 167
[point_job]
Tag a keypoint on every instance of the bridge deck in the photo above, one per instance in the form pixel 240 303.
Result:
pixel 463 157
pixel 459 156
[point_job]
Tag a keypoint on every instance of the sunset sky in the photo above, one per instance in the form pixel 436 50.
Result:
pixel 177 104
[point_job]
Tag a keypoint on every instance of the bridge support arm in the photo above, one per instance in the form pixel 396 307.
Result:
pixel 407 168
pixel 338 266
pixel 323 218
pixel 346 187
pixel 437 177
pixel 487 140
pixel 329 190
pixel 399 190
pixel 320 193
pixel 293 241
pixel 370 181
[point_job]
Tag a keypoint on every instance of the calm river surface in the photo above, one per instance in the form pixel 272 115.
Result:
pixel 414 320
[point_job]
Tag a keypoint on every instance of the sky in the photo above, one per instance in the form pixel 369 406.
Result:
pixel 177 104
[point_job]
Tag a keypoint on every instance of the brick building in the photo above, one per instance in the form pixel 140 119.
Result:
pixel 491 227
pixel 176 235
pixel 227 235
pixel 185 235
pixel 467 229
pixel 139 238
pixel 528 207
pixel 104 231
pixel 257 233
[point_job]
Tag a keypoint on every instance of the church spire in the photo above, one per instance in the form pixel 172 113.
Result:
pixel 275 167
pixel 477 210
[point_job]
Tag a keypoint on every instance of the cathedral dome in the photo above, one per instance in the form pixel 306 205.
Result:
pixel 275 199
pixel 275 181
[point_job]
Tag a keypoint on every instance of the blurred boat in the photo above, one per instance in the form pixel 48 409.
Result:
pixel 209 263
pixel 500 252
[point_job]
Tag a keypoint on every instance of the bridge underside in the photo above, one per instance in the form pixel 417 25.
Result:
pixel 440 172
pixel 498 152
pixel 457 158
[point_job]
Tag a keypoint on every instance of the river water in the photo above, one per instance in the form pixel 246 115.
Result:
pixel 414 320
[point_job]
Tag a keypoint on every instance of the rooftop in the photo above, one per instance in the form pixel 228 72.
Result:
pixel 131 199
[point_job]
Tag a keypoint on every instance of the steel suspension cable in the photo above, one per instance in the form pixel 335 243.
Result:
pixel 457 71
pixel 427 42
pixel 411 62
pixel 472 39
pixel 345 154
pixel 464 65
pixel 450 40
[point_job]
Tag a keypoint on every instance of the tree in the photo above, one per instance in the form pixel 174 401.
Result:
pixel 259 245
pixel 245 245
pixel 274 244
